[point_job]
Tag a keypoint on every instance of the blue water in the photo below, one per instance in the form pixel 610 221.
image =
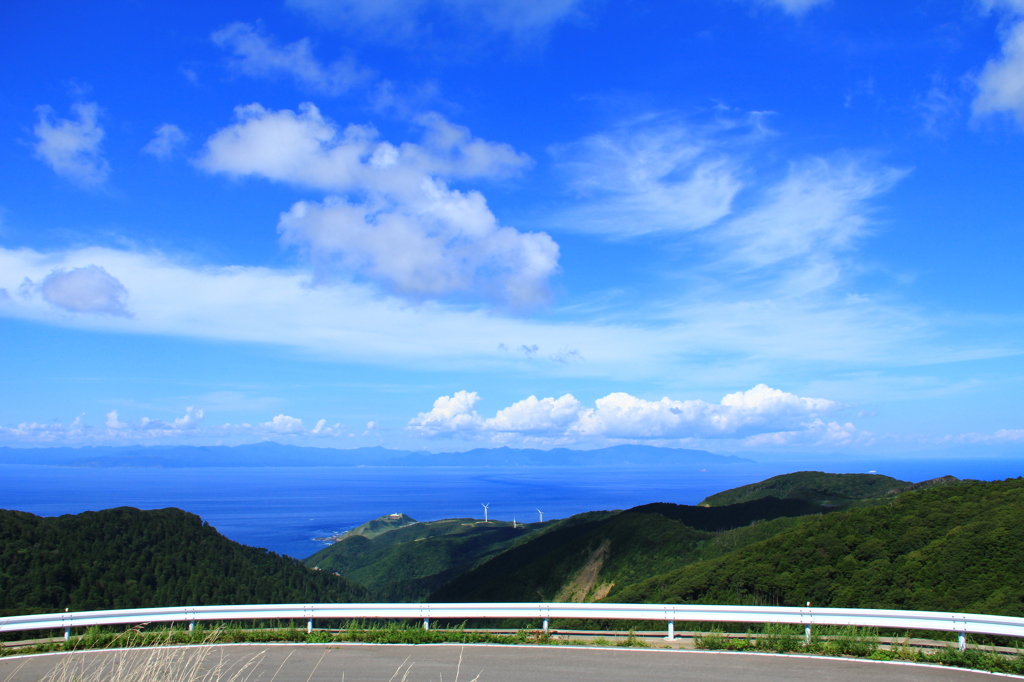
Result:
pixel 283 509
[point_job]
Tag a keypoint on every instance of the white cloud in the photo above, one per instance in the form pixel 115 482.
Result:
pixel 72 147
pixel 185 429
pixel 113 422
pixel 187 422
pixel 650 176
pixel 282 423
pixel 256 54
pixel 398 223
pixel 165 140
pixel 309 150
pixel 357 323
pixel 89 289
pixel 1000 436
pixel 399 20
pixel 322 429
pixel 623 417
pixel 819 209
pixel 795 7
pixel 1001 81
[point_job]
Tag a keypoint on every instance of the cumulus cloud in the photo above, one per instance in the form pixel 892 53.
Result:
pixel 650 175
pixel 282 423
pixel 89 289
pixel 258 55
pixel 187 422
pixel 1001 81
pixel 622 417
pixel 71 147
pixel 113 422
pixel 166 139
pixel 397 221
pixel 399 20
pixel 187 428
pixel 304 148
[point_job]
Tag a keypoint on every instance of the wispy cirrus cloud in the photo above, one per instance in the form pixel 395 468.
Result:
pixel 652 174
pixel 704 185
pixel 1001 81
pixel 796 8
pixel 819 207
pixel 399 21
pixel 354 322
pixel 255 54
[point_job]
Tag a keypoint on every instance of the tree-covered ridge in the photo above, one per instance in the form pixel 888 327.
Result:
pixel 953 548
pixel 812 486
pixel 589 557
pixel 127 558
pixel 409 562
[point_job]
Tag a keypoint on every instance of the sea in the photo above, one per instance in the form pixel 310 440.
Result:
pixel 284 509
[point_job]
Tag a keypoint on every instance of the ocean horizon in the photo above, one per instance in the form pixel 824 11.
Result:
pixel 284 508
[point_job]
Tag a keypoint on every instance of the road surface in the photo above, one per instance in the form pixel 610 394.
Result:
pixel 435 663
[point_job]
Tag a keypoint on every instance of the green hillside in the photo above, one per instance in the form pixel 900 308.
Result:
pixel 127 558
pixel 591 556
pixel 408 562
pixel 375 527
pixel 812 486
pixel 956 547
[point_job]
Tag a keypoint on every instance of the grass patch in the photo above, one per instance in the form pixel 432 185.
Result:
pixel 860 643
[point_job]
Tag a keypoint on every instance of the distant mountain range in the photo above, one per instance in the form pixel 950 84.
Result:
pixel 270 454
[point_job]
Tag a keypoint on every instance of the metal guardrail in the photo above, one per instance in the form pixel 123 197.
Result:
pixel 961 623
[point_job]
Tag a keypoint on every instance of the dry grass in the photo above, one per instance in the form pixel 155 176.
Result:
pixel 164 663
pixel 161 664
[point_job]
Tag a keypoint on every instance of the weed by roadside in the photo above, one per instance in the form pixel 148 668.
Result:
pixel 857 642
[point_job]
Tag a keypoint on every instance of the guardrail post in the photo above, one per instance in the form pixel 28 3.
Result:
pixel 426 623
pixel 962 641
pixel 67 633
pixel 191 625
pixel 671 631
pixel 309 626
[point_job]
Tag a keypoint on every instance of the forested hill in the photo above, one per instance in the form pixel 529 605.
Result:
pixel 958 547
pixel 127 558
pixel 832 490
pixel 589 556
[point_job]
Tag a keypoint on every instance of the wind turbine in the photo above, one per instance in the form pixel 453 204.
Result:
pixel 541 515
pixel 485 506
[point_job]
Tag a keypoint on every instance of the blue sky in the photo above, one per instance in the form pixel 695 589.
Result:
pixel 738 225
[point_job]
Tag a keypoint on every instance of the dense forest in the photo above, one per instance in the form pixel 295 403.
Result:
pixel 813 486
pixel 953 548
pixel 835 540
pixel 408 561
pixel 590 556
pixel 127 558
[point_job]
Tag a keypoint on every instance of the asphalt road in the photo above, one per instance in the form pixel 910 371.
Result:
pixel 435 663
